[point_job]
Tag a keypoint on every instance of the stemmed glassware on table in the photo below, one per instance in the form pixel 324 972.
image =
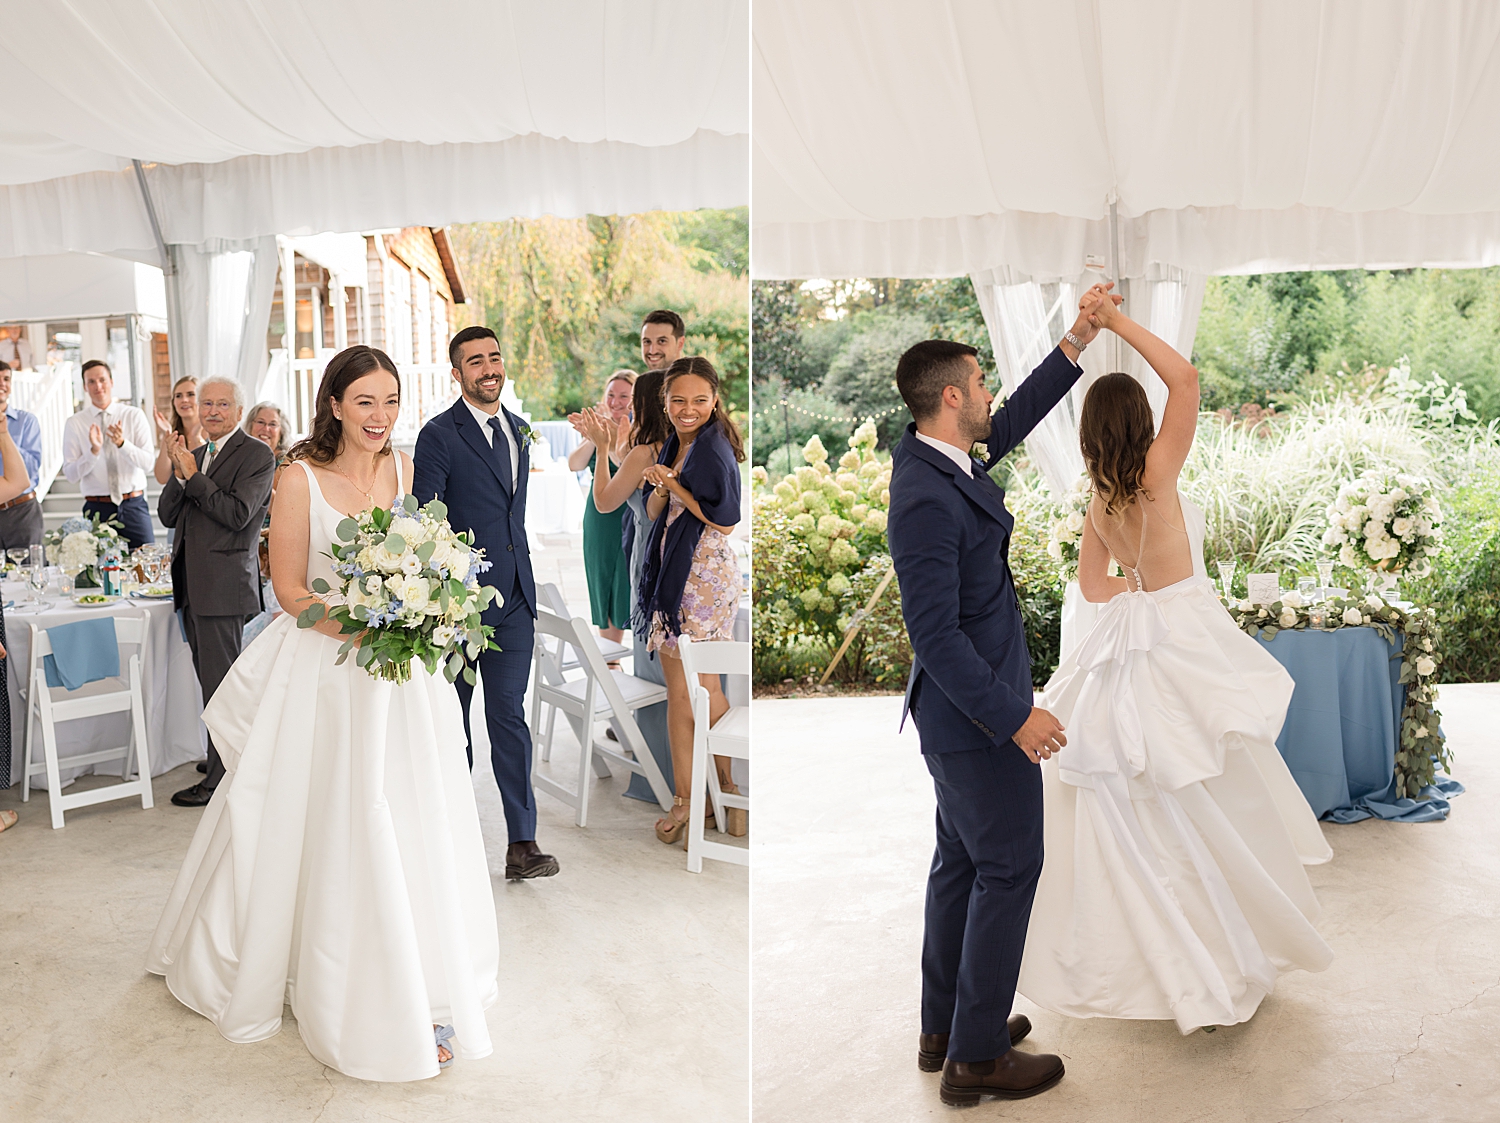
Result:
pixel 1226 577
pixel 18 555
pixel 1325 579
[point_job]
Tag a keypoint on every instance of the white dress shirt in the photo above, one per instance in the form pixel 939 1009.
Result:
pixel 489 436
pixel 964 461
pixel 111 471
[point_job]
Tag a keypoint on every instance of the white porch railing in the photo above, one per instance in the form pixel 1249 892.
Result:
pixel 426 390
pixel 48 394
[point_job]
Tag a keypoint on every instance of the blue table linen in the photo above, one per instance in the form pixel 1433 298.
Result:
pixel 82 652
pixel 1340 736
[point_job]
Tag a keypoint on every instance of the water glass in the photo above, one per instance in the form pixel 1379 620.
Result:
pixel 1305 589
pixel 1226 577
pixel 38 555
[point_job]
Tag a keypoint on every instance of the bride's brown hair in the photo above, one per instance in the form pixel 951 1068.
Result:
pixel 1115 431
pixel 321 446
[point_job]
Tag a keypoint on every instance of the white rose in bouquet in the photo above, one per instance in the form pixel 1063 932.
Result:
pixel 1287 619
pixel 1402 528
pixel 1293 599
pixel 1075 521
pixel 1426 665
pixel 1352 617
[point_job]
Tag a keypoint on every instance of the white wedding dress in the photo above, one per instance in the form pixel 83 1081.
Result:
pixel 1173 885
pixel 339 867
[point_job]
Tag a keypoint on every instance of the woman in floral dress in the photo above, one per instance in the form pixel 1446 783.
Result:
pixel 691 581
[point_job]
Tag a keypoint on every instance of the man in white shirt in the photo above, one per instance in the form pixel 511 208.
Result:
pixel 107 451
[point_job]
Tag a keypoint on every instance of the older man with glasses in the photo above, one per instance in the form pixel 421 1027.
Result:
pixel 216 500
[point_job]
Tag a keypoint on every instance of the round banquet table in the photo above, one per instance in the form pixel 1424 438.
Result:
pixel 554 500
pixel 1339 737
pixel 174 731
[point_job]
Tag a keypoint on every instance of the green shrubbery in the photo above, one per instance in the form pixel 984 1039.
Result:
pixel 1264 485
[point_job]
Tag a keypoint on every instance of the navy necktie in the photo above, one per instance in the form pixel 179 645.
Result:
pixel 502 455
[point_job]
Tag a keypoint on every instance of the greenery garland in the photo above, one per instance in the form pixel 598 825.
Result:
pixel 1423 749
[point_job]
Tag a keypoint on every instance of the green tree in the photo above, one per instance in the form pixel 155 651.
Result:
pixel 862 377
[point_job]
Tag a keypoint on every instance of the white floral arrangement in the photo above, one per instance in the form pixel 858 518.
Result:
pixel 1386 522
pixel 410 590
pixel 80 544
pixel 1067 526
pixel 1422 749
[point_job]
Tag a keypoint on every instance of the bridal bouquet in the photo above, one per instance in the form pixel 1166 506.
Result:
pixel 1067 527
pixel 410 590
pixel 1385 522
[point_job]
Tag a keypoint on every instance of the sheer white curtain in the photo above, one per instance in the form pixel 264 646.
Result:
pixel 1026 317
pixel 224 292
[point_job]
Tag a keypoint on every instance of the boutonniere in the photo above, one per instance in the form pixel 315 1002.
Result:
pixel 529 436
pixel 980 452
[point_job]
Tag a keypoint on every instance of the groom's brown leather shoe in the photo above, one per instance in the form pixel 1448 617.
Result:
pixel 1011 1077
pixel 525 860
pixel 932 1048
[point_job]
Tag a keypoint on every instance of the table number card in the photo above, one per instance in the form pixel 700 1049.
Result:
pixel 1262 588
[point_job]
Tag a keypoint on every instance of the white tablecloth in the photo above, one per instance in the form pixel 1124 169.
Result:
pixel 174 730
pixel 554 501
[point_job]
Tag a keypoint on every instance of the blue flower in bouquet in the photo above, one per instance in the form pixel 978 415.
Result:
pixel 409 590
pixel 75 525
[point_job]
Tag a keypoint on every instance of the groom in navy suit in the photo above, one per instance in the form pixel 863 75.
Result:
pixel 473 458
pixel 970 697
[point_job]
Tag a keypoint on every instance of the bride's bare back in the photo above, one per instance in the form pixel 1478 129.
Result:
pixel 1148 538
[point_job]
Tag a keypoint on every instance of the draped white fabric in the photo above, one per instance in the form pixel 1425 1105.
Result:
pixel 226 292
pixel 964 134
pixel 282 117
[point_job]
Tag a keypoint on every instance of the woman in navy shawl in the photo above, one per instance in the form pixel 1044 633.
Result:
pixel 691 581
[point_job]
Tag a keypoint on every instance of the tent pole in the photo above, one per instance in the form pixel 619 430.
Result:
pixel 175 358
pixel 1114 275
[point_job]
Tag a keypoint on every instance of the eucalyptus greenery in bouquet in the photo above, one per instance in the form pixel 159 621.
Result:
pixel 410 590
pixel 1385 521
pixel 1067 524
pixel 81 543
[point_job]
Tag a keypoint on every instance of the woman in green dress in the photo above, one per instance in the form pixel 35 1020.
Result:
pixel 603 555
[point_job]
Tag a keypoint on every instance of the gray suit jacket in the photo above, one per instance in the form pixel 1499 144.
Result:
pixel 217 516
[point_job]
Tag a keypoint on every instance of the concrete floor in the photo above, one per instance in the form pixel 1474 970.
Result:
pixel 623 981
pixel 1405 1025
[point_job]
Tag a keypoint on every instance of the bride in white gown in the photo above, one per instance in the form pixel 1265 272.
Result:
pixel 339 867
pixel 1175 837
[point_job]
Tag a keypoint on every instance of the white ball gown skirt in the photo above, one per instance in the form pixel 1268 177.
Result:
pixel 1173 885
pixel 339 867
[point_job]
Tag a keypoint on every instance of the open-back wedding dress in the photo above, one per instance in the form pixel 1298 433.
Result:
pixel 1175 837
pixel 339 867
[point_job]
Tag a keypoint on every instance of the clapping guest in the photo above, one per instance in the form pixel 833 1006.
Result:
pixel 184 423
pixel 107 451
pixel 604 562
pixel 216 501
pixel 690 584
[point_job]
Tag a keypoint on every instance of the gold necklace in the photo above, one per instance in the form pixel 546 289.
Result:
pixel 363 491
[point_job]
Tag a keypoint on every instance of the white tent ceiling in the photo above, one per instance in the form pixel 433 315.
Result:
pixel 969 135
pixel 267 117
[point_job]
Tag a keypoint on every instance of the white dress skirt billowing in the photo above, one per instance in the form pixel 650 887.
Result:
pixel 1175 837
pixel 339 867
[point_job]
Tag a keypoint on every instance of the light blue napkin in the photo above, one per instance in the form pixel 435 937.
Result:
pixel 83 652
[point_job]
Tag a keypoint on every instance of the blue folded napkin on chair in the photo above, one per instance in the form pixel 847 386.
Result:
pixel 83 652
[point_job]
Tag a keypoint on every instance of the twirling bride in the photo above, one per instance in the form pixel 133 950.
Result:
pixel 1175 836
pixel 339 867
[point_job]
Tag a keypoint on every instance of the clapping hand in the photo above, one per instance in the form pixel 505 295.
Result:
pixel 96 439
pixel 117 434
pixel 599 427
pixel 660 476
pixel 162 422
pixel 183 464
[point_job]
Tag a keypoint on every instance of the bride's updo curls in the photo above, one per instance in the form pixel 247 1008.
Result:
pixel 1115 431
pixel 321 445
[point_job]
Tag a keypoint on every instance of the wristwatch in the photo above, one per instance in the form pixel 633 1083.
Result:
pixel 1075 341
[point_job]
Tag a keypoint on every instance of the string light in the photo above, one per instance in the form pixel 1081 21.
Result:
pixel 830 417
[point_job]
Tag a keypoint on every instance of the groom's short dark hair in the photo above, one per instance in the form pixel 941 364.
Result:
pixel 468 335
pixel 927 369
pixel 668 317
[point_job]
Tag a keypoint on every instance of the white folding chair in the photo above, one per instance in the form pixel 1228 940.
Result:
pixel 601 694
pixel 729 736
pixel 550 597
pixel 48 706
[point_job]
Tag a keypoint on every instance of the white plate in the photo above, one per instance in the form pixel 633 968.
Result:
pixel 153 592
pixel 105 603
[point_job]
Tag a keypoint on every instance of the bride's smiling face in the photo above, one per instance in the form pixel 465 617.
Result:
pixel 368 411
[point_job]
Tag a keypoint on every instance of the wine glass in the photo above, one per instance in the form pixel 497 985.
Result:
pixel 1226 575
pixel 1325 579
pixel 18 554
pixel 37 578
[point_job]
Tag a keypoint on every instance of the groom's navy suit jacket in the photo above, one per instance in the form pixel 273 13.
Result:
pixel 949 533
pixel 450 448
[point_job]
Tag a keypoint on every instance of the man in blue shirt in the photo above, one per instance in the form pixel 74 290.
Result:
pixel 21 518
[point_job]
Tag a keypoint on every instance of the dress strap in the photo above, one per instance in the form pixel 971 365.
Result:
pixel 400 484
pixel 312 479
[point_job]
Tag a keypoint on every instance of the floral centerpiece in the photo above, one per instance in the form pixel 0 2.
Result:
pixel 1385 523
pixel 410 590
pixel 1067 525
pixel 81 544
pixel 1422 748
